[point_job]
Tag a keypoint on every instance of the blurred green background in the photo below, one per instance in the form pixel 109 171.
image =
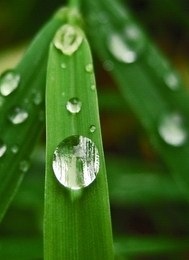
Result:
pixel 150 215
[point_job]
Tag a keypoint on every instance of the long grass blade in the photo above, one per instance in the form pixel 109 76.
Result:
pixel 77 222
pixel 21 112
pixel 149 84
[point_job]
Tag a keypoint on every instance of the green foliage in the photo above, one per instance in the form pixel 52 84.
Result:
pixel 144 107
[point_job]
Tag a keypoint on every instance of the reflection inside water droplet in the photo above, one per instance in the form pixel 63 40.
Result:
pixel 172 129
pixel 18 116
pixel 68 39
pixel 9 81
pixel 76 162
pixel 74 105
pixel 3 148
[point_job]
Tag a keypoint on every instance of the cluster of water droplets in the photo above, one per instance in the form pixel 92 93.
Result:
pixel 76 162
pixel 172 129
pixel 126 45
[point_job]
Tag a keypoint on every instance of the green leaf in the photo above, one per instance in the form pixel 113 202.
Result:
pixel 21 112
pixel 147 81
pixel 77 222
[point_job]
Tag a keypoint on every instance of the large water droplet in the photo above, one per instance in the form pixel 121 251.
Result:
pixel 68 39
pixel 128 44
pixel 172 129
pixel 76 162
pixel 172 81
pixel 3 148
pixel 24 166
pixel 74 105
pixel 18 116
pixel 9 81
pixel 92 128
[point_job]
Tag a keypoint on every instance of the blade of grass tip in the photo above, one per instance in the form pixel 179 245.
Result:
pixel 21 111
pixel 77 216
pixel 148 83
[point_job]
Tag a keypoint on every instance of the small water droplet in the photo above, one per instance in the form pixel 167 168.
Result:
pixel 63 65
pixel 172 81
pixel 3 148
pixel 93 87
pixel 9 81
pixel 172 129
pixel 14 149
pixel 121 50
pixel 74 105
pixel 89 68
pixel 128 44
pixel 18 116
pixel 24 166
pixel 68 39
pixel 37 98
pixel 76 162
pixel 108 65
pixel 92 128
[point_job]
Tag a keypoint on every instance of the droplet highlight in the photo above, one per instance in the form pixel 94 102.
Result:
pixel 9 82
pixel 18 116
pixel 76 162
pixel 3 149
pixel 68 39
pixel 74 105
pixel 172 130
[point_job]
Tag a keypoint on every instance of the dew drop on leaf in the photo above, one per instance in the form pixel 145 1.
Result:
pixel 76 162
pixel 3 148
pixel 68 39
pixel 93 87
pixel 172 129
pixel 92 128
pixel 14 149
pixel 172 81
pixel 9 81
pixel 74 105
pixel 37 98
pixel 24 166
pixel 18 116
pixel 128 44
pixel 63 65
pixel 89 68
